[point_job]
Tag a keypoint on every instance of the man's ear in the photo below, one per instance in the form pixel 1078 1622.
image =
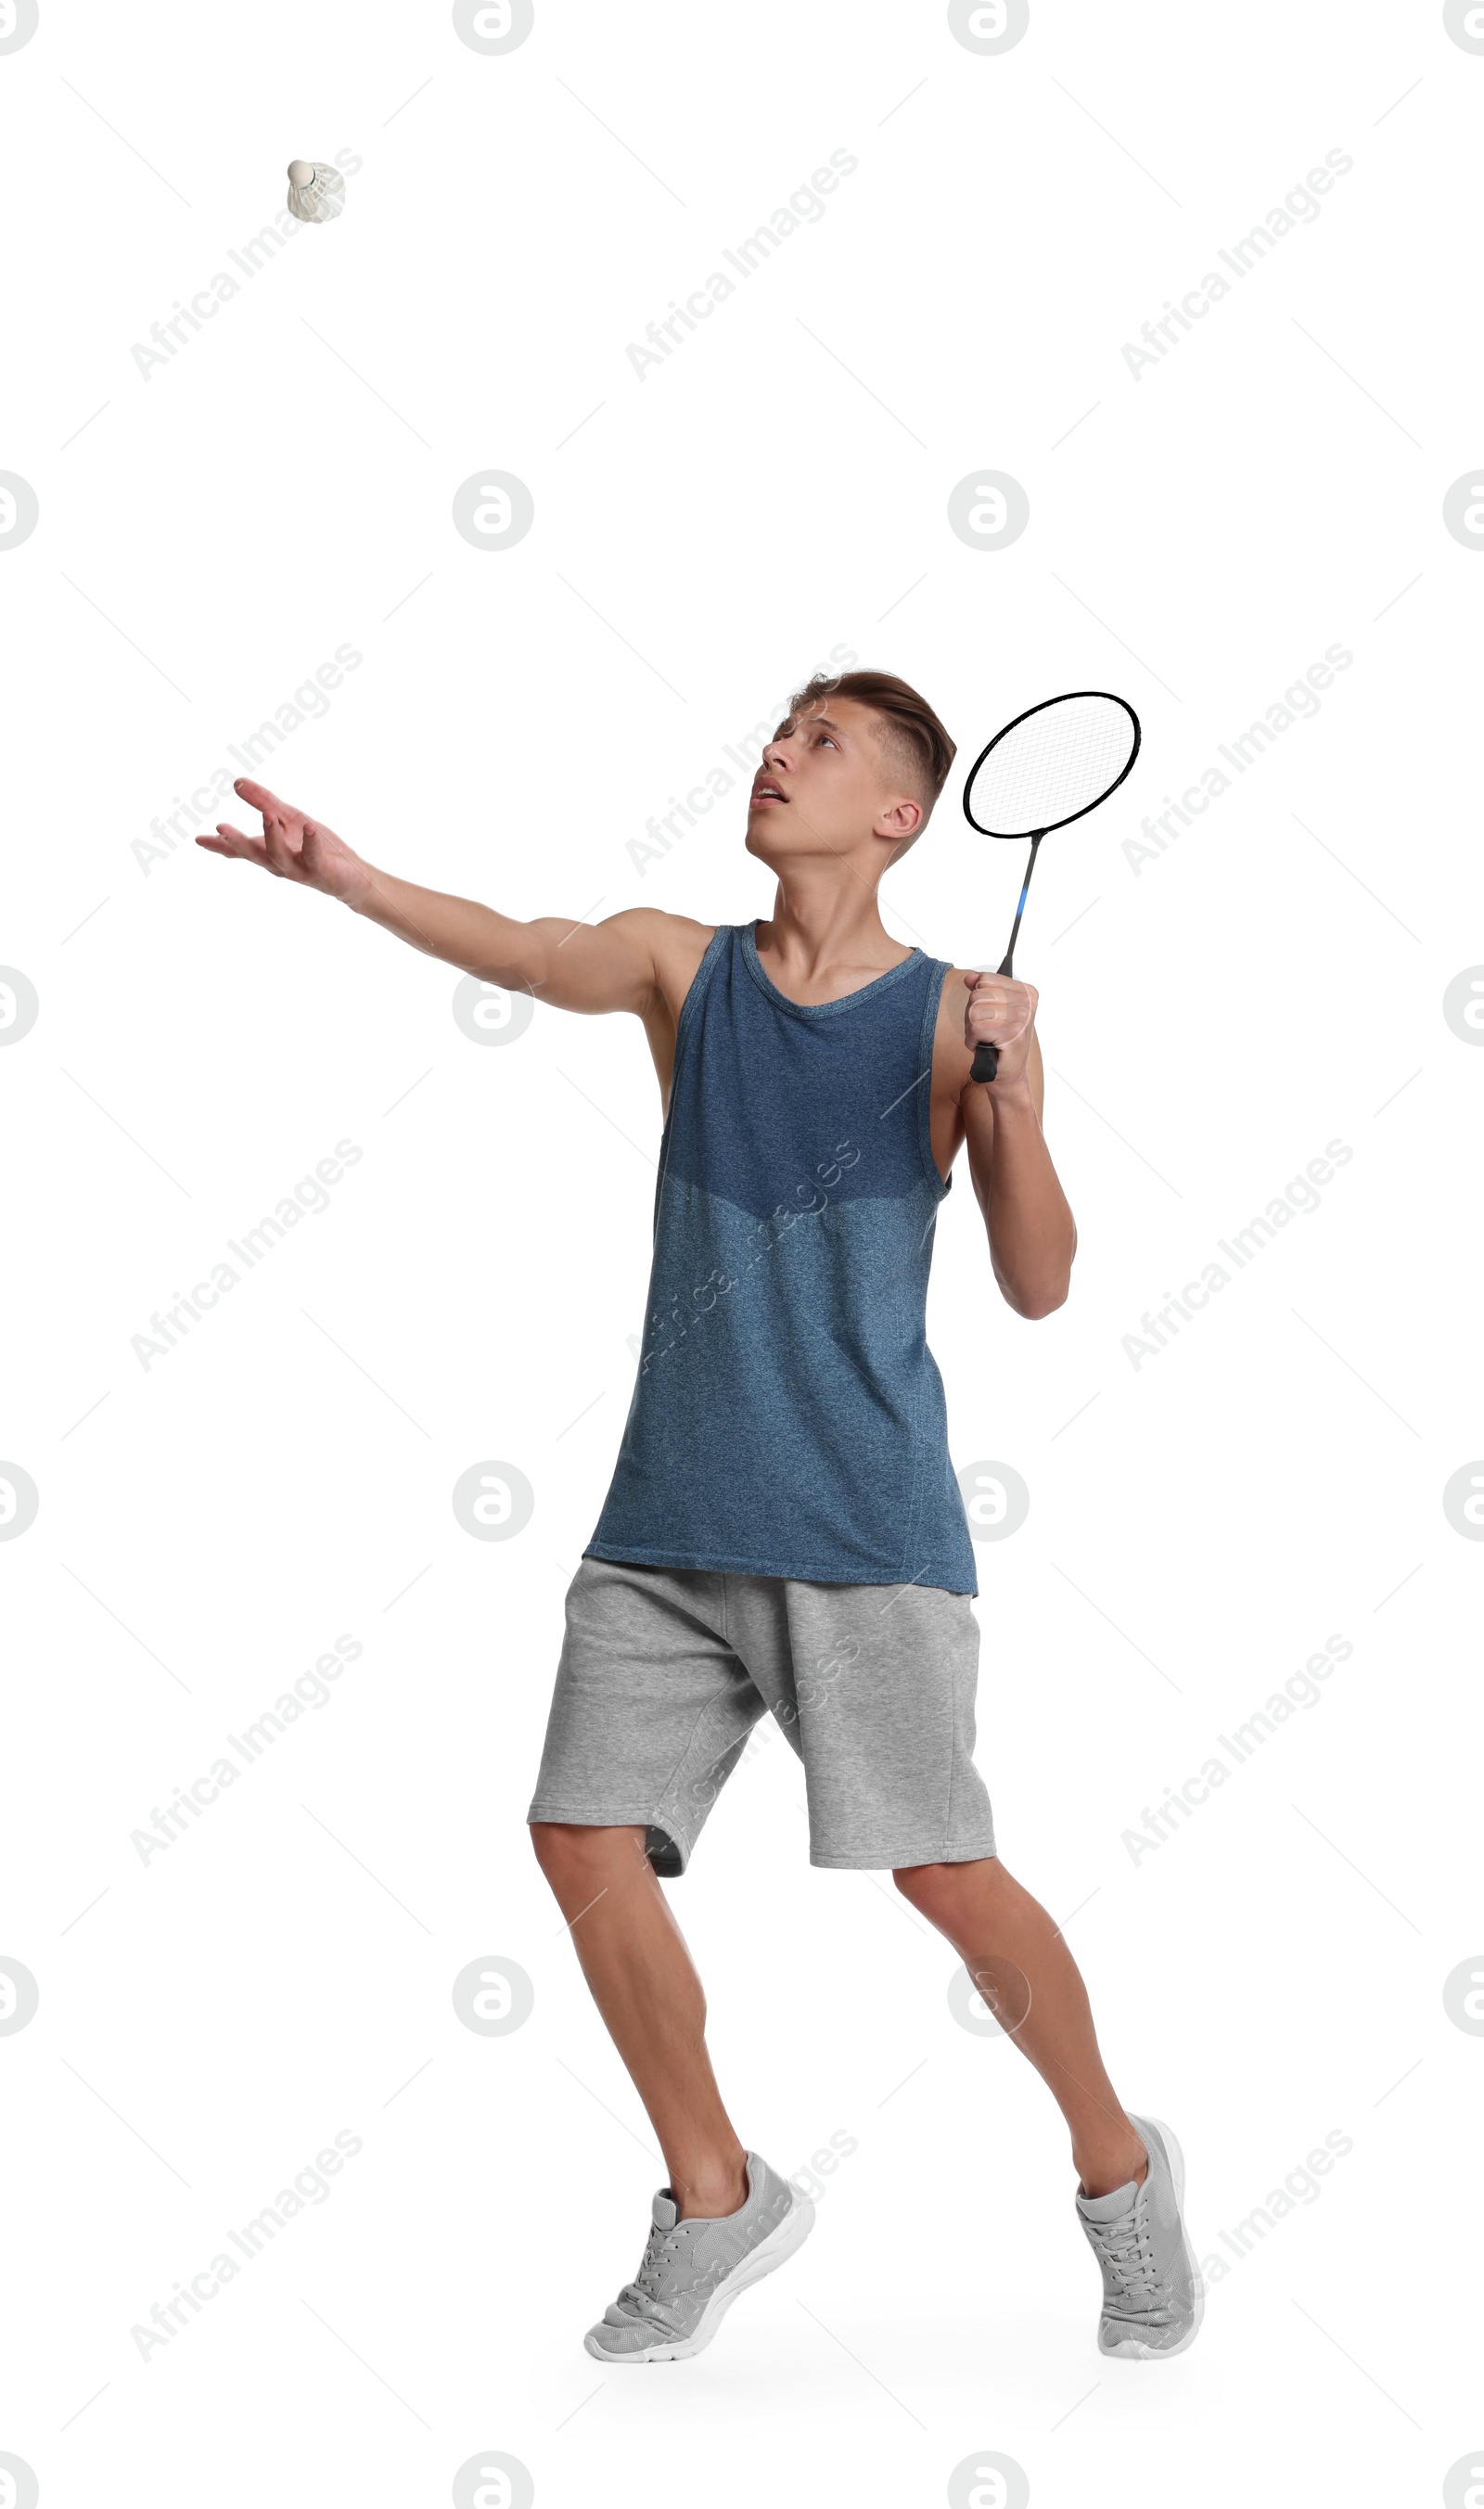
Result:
pixel 899 820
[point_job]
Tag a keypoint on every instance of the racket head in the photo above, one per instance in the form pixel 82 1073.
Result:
pixel 1051 764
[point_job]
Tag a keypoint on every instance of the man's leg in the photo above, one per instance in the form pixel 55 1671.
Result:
pixel 1021 1965
pixel 644 1984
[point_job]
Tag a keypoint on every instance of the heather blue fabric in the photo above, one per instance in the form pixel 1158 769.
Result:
pixel 788 1417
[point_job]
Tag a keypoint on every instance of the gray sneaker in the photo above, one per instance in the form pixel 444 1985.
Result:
pixel 691 2271
pixel 1152 2294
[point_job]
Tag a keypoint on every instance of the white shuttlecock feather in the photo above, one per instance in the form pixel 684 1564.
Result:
pixel 316 192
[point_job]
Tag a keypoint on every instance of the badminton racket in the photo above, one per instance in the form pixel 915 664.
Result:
pixel 1052 766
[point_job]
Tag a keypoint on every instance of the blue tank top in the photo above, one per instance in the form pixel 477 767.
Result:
pixel 788 1417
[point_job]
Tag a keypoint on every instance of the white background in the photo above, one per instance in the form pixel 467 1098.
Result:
pixel 1199 1524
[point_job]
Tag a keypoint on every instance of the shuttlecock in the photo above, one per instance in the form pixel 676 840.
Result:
pixel 316 192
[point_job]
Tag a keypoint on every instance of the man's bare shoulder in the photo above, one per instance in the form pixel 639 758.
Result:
pixel 951 1054
pixel 661 929
pixel 675 945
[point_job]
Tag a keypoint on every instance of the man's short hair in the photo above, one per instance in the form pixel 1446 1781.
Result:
pixel 914 741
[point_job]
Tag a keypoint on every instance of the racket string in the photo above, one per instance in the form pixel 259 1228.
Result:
pixel 1053 765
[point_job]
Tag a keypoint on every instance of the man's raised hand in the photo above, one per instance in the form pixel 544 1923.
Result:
pixel 291 847
pixel 1001 1012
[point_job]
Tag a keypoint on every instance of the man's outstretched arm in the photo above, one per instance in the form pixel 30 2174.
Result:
pixel 607 966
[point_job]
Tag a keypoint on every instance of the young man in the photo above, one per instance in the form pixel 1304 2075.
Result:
pixel 784 1530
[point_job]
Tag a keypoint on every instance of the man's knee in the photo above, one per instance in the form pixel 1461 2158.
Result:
pixel 935 1890
pixel 921 1883
pixel 570 1852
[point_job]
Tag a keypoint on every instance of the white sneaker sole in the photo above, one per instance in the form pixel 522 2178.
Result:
pixel 770 2253
pixel 1134 2350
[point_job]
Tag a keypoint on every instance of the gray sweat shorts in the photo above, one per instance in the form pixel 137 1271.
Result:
pixel 665 1672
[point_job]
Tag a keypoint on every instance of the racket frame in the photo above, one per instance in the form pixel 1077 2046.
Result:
pixel 1007 835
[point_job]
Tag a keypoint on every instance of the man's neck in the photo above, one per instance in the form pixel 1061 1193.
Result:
pixel 823 928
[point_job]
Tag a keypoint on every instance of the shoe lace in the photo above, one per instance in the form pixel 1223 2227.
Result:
pixel 1125 2248
pixel 640 2295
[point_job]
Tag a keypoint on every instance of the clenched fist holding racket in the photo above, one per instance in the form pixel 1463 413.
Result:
pixel 1053 765
pixel 998 1022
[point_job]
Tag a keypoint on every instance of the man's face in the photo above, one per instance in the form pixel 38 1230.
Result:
pixel 827 786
